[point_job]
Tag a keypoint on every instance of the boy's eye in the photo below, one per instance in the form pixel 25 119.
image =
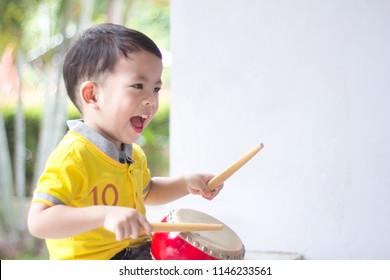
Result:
pixel 156 90
pixel 138 86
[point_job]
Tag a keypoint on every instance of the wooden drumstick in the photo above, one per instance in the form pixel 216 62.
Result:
pixel 184 227
pixel 224 175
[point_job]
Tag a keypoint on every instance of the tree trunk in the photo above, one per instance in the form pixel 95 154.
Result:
pixel 115 11
pixel 20 162
pixel 6 182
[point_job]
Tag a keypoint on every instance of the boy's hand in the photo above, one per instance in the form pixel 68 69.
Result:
pixel 197 184
pixel 126 222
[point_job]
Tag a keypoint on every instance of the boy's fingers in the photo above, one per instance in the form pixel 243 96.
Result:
pixel 145 225
pixel 211 194
pixel 207 194
pixel 148 229
pixel 118 235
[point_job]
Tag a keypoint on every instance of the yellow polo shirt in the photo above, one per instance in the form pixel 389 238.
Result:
pixel 79 174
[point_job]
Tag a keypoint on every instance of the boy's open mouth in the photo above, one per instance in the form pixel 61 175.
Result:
pixel 138 122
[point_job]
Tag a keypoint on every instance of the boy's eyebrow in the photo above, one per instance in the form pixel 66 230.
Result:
pixel 143 78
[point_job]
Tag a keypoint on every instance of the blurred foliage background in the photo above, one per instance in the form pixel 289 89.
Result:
pixel 34 36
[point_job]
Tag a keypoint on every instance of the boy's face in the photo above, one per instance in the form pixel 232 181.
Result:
pixel 127 98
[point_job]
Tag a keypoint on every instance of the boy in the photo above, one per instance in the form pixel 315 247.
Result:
pixel 89 202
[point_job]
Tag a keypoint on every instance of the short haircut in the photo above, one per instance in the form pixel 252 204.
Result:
pixel 97 51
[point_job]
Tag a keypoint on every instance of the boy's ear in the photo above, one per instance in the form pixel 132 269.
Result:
pixel 88 94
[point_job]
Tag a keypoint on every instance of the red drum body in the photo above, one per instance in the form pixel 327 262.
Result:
pixel 200 245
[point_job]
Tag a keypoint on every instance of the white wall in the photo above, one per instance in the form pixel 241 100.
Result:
pixel 309 79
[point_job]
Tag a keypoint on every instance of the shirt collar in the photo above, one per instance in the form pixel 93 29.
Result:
pixel 102 143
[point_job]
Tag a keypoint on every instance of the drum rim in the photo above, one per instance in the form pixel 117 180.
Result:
pixel 194 240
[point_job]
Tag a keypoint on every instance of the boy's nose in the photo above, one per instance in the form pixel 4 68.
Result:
pixel 150 99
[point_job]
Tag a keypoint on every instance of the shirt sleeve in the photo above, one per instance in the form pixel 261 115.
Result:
pixel 60 180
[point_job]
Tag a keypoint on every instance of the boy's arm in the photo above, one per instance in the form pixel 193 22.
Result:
pixel 61 221
pixel 166 189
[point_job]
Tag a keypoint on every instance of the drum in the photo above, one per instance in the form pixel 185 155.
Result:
pixel 202 245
